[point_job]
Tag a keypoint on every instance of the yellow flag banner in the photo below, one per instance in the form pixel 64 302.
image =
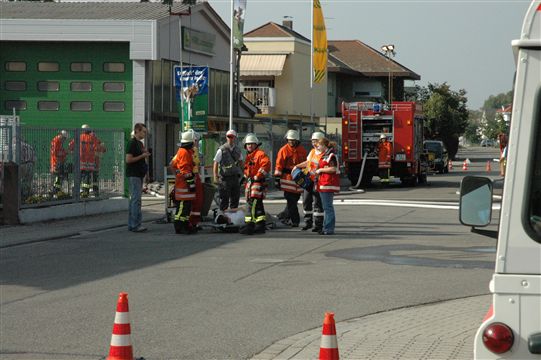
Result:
pixel 319 40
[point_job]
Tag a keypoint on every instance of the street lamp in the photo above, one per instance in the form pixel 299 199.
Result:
pixel 388 50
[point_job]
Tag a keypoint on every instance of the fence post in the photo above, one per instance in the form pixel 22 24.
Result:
pixel 12 193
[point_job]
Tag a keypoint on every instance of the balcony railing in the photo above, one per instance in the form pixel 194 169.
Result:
pixel 262 97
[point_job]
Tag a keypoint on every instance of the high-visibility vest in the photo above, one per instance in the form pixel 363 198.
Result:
pixel 289 156
pixel 182 164
pixel 313 162
pixel 328 182
pixel 256 169
pixel 58 153
pixel 385 150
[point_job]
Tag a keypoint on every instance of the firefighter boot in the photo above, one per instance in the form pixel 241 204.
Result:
pixel 307 225
pixel 181 227
pixel 260 227
pixel 247 229
pixel 318 224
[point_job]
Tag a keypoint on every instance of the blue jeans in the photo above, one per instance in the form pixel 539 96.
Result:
pixel 136 188
pixel 328 209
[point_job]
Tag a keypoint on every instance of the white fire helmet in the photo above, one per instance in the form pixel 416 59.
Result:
pixel 85 126
pixel 64 133
pixel 292 135
pixel 187 137
pixel 383 136
pixel 318 135
pixel 250 139
pixel 231 133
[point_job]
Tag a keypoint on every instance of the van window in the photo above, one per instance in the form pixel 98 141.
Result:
pixel 534 212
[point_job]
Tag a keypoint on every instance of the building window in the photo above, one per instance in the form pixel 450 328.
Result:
pixel 114 86
pixel 15 66
pixel 15 85
pixel 48 105
pixel 81 67
pixel 115 106
pixel 81 86
pixel 81 106
pixel 48 86
pixel 15 104
pixel 48 66
pixel 114 67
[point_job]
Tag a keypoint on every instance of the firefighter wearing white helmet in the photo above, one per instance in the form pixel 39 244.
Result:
pixel 385 152
pixel 58 159
pixel 256 169
pixel 290 154
pixel 311 201
pixel 227 168
pixel 185 188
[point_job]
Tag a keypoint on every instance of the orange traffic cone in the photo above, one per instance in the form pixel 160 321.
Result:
pixel 121 348
pixel 465 165
pixel 328 349
pixel 488 168
pixel 450 165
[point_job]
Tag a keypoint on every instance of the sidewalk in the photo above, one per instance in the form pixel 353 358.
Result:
pixel 442 330
pixel 153 209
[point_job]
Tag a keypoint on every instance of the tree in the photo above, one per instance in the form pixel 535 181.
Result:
pixel 446 114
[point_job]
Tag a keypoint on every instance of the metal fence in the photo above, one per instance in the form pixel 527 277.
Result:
pixel 65 165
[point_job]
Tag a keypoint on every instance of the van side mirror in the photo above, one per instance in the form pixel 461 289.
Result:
pixel 475 201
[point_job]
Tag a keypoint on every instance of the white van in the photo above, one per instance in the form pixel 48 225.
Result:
pixel 512 327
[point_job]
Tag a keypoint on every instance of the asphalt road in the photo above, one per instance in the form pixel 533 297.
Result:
pixel 218 295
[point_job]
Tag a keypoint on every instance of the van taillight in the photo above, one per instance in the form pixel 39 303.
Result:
pixel 498 338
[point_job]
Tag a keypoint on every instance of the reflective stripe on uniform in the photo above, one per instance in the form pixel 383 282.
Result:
pixel 329 187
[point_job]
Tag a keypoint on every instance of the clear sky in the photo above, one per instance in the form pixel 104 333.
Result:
pixel 466 43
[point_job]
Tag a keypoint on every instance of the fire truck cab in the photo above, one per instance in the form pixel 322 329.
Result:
pixel 512 327
pixel 402 123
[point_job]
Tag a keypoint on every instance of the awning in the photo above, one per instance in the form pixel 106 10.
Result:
pixel 261 65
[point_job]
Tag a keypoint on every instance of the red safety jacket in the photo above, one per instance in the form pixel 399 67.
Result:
pixel 288 156
pixel 385 149
pixel 183 166
pixel 256 168
pixel 88 146
pixel 328 182
pixel 58 153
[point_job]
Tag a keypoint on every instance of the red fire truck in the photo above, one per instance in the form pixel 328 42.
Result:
pixel 402 122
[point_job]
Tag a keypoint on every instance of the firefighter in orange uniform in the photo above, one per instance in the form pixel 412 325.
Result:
pixel 183 167
pixel 88 147
pixel 290 154
pixel 311 202
pixel 197 205
pixel 58 160
pixel 385 151
pixel 100 150
pixel 256 169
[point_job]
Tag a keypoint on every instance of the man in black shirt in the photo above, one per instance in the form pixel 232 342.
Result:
pixel 136 169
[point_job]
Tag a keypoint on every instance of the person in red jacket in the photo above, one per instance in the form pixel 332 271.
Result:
pixel 88 147
pixel 311 202
pixel 385 152
pixel 328 183
pixel 58 160
pixel 290 154
pixel 256 169
pixel 185 188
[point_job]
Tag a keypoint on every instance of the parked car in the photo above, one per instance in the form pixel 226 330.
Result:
pixel 488 143
pixel 438 157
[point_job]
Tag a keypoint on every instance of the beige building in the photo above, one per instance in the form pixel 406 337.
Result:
pixel 275 73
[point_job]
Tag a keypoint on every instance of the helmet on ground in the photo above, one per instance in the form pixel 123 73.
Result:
pixel 231 133
pixel 250 139
pixel 318 135
pixel 292 135
pixel 187 137
pixel 383 136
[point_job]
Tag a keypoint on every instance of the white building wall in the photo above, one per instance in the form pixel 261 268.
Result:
pixel 138 91
pixel 139 33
